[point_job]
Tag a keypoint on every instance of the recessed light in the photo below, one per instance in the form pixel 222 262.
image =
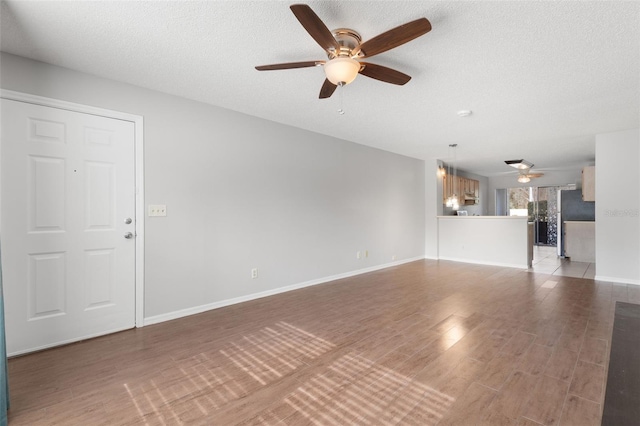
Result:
pixel 464 113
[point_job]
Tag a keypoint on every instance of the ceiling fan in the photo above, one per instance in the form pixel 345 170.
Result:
pixel 524 170
pixel 345 48
pixel 525 176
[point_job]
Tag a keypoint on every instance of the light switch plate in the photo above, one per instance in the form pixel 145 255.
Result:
pixel 157 209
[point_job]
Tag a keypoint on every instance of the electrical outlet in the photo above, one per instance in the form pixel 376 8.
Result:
pixel 357 255
pixel 254 273
pixel 157 209
pixel 366 253
pixel 393 257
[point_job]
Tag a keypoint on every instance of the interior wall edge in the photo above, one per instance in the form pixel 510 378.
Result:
pixel 484 263
pixel 617 280
pixel 156 319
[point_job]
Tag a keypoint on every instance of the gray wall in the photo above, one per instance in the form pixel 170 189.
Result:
pixel 573 208
pixel 242 192
pixel 500 202
pixel 433 207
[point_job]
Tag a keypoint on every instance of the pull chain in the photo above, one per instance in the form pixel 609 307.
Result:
pixel 340 98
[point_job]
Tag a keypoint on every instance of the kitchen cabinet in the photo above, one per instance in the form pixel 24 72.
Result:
pixel 467 190
pixel 589 183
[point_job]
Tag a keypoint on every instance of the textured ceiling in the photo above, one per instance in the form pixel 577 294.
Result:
pixel 542 78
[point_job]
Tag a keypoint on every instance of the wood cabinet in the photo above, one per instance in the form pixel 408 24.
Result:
pixel 589 183
pixel 467 190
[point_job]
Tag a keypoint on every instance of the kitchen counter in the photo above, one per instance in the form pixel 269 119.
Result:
pixel 580 240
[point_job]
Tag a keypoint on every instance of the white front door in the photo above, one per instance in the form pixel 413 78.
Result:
pixel 68 199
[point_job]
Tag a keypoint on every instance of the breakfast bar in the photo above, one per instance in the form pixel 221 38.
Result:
pixel 487 240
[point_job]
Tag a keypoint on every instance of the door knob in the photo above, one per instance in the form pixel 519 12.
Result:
pixel 128 220
pixel 128 235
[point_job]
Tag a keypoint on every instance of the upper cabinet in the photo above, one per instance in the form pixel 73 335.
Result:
pixel 467 190
pixel 589 183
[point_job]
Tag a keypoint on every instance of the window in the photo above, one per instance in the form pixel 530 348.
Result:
pixel 518 201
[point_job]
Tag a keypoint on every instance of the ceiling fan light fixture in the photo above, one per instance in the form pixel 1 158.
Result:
pixel 519 164
pixel 524 179
pixel 341 70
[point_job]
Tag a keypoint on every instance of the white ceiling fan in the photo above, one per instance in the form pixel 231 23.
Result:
pixel 524 170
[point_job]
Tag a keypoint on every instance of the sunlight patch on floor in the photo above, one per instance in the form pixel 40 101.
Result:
pixel 362 391
pixel 353 388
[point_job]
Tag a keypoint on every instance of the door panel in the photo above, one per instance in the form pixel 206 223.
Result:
pixel 68 183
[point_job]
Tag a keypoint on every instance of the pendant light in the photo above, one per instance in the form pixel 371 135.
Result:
pixel 452 200
pixel 455 205
pixel 449 188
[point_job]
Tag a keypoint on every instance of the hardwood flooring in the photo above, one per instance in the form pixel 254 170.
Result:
pixel 419 344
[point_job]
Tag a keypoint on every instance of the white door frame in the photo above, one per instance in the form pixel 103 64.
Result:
pixel 137 120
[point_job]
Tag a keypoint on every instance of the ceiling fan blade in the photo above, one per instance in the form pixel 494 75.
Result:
pixel 289 65
pixel 395 37
pixel 315 27
pixel 385 74
pixel 327 89
pixel 535 175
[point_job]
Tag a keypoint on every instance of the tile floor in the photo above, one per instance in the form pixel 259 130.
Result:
pixel 546 261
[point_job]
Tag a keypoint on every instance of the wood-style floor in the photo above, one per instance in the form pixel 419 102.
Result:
pixel 423 343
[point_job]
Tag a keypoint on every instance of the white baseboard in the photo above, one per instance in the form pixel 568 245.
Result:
pixel 481 262
pixel 617 280
pixel 222 303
